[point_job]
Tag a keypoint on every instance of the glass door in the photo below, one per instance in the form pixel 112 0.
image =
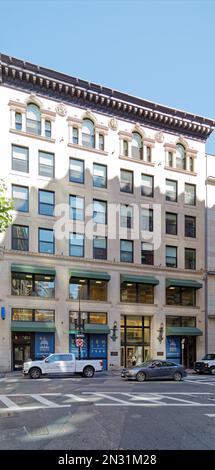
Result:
pixel 21 353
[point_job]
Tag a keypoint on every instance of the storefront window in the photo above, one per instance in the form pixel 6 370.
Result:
pixel 135 339
pixel 134 335
pixel 98 318
pixel 180 321
pixel 44 315
pixel 22 314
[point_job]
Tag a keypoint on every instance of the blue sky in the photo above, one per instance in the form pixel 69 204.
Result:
pixel 161 50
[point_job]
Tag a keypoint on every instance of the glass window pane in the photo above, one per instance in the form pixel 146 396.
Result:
pixel 98 290
pixel 171 190
pixel 20 158
pixel 126 181
pixel 45 315
pixel 147 185
pixel 99 175
pixel 76 207
pixel 190 194
pixel 46 164
pixel 22 314
pixel 98 318
pixel 99 212
pixel 76 170
pixel 76 244
pixel 20 197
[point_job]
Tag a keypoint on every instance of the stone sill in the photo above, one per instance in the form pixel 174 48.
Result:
pixel 33 136
pixel 87 149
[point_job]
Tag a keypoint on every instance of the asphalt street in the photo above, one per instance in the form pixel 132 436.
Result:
pixel 107 413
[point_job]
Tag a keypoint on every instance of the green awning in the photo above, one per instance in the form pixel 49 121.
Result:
pixel 183 283
pixel 92 328
pixel 139 279
pixel 22 268
pixel 183 331
pixel 102 275
pixel 33 326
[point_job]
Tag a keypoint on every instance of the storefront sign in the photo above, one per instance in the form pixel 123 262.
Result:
pixel 44 344
pixel 173 347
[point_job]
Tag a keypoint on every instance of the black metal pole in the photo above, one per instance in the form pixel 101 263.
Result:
pixel 79 318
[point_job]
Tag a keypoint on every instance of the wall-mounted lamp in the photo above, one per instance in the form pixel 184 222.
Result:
pixel 160 333
pixel 114 330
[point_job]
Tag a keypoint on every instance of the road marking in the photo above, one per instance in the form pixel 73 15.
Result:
pixel 104 395
pixel 75 397
pixel 9 403
pixel 44 401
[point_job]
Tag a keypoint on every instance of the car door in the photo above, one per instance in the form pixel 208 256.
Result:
pixel 154 371
pixel 52 364
pixel 67 364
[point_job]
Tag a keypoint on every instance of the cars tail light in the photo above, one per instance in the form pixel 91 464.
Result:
pixel 101 363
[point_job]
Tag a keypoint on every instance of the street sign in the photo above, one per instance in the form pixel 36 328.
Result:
pixel 79 342
pixel 79 335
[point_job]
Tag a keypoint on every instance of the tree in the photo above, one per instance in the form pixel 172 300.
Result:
pixel 6 206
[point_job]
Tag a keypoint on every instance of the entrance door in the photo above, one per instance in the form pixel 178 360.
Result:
pixel 21 353
pixel 134 354
pixel 189 351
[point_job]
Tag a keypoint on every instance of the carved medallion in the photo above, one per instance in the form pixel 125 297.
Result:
pixel 113 124
pixel 159 137
pixel 61 109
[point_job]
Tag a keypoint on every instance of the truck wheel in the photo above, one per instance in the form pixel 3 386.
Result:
pixel 212 370
pixel 88 372
pixel 35 373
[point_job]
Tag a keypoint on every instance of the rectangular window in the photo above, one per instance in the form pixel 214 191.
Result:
pixel 20 195
pixel 20 159
pixel 48 129
pixel 171 191
pixel 147 253
pixel 87 289
pixel 46 241
pixel 126 251
pixel 38 285
pixel 76 244
pixel 24 314
pixel 190 226
pixel 190 194
pixel 97 318
pixel 191 164
pixel 20 237
pixel 180 321
pixel 125 148
pixel 171 223
pixel 99 211
pixel 44 316
pixel 147 219
pixel 171 256
pixel 185 296
pixel 18 121
pixel 126 181
pixel 76 207
pixel 76 170
pixel 190 258
pixel 99 175
pixel 126 216
pixel 148 154
pixel 170 159
pixel 46 202
pixel 147 185
pixel 100 247
pixel 75 135
pixel 101 142
pixel 137 293
pixel 46 164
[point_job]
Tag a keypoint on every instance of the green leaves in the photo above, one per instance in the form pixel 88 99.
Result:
pixel 6 206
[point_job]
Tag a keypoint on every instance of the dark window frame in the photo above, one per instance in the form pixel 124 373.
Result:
pixel 95 249
pixel 17 238
pixel 15 159
pixel 169 232
pixel 47 166
pixel 42 241
pixel 123 251
pixel 152 186
pixel 83 172
pixel 127 182
pixel 176 192
pixel 82 246
pixel 47 204
pixel 176 257
pixel 24 187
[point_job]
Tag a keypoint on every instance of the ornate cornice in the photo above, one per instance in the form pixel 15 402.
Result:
pixel 25 75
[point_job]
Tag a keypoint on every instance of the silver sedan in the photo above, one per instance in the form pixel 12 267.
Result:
pixel 155 369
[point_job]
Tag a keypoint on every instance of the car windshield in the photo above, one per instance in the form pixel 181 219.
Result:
pixel 209 357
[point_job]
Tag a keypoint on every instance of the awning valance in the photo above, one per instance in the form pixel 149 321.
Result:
pixel 91 328
pixel 32 326
pixel 183 331
pixel 183 283
pixel 22 268
pixel 102 275
pixel 139 279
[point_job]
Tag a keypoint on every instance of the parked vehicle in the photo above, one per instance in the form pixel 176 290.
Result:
pixel 62 364
pixel 207 364
pixel 155 369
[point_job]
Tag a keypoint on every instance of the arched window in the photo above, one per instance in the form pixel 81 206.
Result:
pixel 33 124
pixel 180 157
pixel 88 133
pixel 137 146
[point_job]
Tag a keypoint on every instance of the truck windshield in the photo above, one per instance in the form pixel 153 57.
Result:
pixel 209 357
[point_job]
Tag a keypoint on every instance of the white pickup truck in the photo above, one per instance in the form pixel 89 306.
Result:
pixel 62 364
pixel 207 364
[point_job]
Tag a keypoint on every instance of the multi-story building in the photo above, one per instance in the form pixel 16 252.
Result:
pixel 108 230
pixel 210 255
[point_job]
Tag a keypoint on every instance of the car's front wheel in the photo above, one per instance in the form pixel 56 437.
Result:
pixel 35 373
pixel 212 370
pixel 177 376
pixel 88 372
pixel 141 377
